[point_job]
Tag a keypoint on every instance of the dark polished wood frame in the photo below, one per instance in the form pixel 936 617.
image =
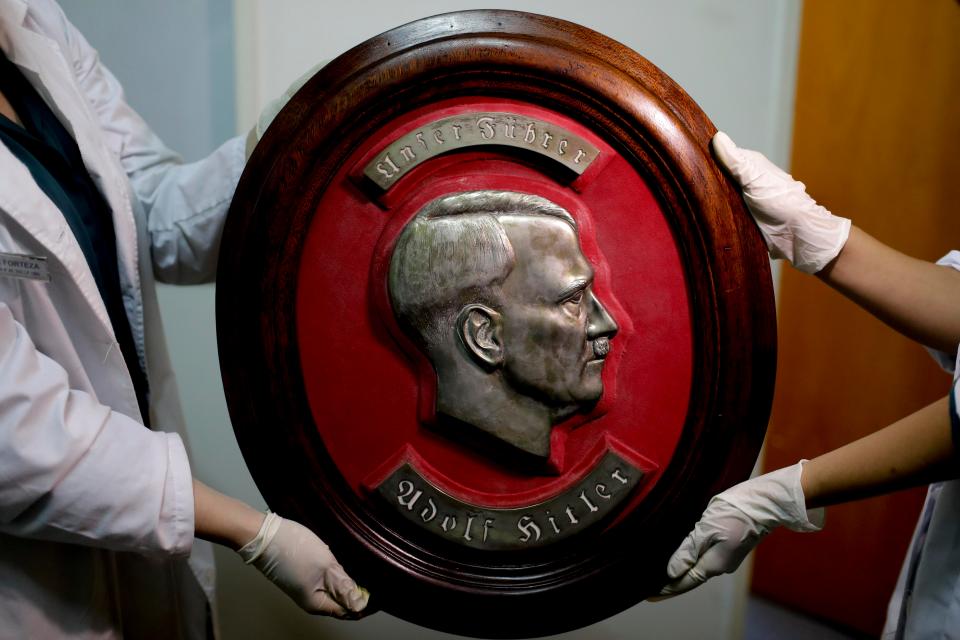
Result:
pixel 648 119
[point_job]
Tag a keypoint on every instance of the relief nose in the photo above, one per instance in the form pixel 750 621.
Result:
pixel 600 323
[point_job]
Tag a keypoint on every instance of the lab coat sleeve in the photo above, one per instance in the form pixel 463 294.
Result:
pixel 72 470
pixel 185 203
pixel 948 359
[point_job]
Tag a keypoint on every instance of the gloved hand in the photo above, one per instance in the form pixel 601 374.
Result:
pixel 298 562
pixel 794 226
pixel 735 521
pixel 269 112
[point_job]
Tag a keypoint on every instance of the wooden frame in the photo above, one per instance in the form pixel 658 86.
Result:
pixel 664 136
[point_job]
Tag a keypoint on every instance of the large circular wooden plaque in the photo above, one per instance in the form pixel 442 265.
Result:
pixel 493 323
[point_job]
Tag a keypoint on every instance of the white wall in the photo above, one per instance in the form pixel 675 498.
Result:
pixel 182 62
pixel 736 58
pixel 175 60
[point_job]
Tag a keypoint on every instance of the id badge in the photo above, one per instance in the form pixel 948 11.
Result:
pixel 25 267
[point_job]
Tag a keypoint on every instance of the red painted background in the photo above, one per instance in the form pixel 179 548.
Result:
pixel 368 387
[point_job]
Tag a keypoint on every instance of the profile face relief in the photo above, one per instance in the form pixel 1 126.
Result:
pixel 493 287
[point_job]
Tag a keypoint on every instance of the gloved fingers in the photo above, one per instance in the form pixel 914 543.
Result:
pixel 718 543
pixel 703 536
pixel 273 107
pixel 691 579
pixel 302 565
pixel 727 554
pixel 723 555
pixel 344 590
pixel 683 558
pixel 781 199
pixel 267 114
pixel 729 156
pixel 297 84
pixel 320 602
pixel 747 166
pixel 357 599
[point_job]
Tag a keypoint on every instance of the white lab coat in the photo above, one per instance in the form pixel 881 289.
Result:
pixel 932 565
pixel 96 511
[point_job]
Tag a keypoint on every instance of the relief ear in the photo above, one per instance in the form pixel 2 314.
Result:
pixel 479 328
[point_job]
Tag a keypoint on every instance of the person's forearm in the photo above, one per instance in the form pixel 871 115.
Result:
pixel 222 519
pixel 919 299
pixel 913 451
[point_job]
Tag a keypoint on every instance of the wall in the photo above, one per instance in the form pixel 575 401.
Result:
pixel 183 62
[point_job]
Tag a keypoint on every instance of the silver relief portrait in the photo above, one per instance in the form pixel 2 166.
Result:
pixel 493 287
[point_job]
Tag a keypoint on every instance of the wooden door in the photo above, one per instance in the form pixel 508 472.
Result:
pixel 876 140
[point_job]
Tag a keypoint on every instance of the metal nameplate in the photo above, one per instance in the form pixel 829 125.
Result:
pixel 479 129
pixel 26 267
pixel 585 504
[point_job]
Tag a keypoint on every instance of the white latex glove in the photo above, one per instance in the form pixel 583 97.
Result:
pixel 735 521
pixel 299 562
pixel 269 112
pixel 794 226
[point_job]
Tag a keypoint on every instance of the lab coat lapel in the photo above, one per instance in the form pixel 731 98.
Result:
pixel 48 71
pixel 30 207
